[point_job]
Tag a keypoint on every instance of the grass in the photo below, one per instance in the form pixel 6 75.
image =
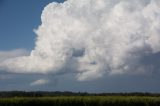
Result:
pixel 82 101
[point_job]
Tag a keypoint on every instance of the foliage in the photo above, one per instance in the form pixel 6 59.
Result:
pixel 82 101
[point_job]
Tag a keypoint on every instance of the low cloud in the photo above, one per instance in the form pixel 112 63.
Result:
pixel 39 82
pixel 10 54
pixel 4 55
pixel 93 38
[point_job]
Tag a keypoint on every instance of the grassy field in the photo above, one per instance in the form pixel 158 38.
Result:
pixel 82 101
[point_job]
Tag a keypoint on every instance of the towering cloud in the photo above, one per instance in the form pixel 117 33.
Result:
pixel 92 38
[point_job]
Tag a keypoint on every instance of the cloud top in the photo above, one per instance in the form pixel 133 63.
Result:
pixel 92 38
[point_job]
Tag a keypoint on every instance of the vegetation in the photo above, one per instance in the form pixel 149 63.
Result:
pixel 77 100
pixel 67 93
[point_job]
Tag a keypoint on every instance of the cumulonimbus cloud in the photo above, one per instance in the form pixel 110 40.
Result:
pixel 93 38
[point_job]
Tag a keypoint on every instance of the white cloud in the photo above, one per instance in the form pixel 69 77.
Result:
pixel 39 82
pixel 113 36
pixel 5 55
pixel 12 53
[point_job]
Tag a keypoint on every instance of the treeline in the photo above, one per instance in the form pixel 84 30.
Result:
pixel 67 93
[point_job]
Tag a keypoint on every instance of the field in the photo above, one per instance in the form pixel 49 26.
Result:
pixel 81 101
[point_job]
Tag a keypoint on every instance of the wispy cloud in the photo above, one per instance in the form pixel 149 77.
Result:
pixel 39 82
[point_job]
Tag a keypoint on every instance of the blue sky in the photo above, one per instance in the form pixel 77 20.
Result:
pixel 18 19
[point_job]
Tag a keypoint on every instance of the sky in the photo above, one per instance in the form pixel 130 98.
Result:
pixel 80 46
pixel 18 19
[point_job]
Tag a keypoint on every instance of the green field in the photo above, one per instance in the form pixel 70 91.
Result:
pixel 82 101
